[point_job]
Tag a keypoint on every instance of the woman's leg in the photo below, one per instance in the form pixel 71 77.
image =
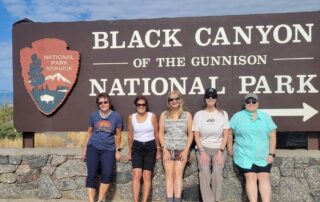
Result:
pixel 251 186
pixel 178 178
pixel 92 157
pixel 149 160
pixel 216 177
pixel 146 185
pixel 169 174
pixel 264 186
pixel 136 177
pixel 107 162
pixel 204 177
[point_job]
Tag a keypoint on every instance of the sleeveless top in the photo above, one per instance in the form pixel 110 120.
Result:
pixel 143 132
pixel 176 132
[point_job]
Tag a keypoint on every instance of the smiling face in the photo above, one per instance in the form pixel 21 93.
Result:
pixel 174 100
pixel 141 106
pixel 104 104
pixel 211 102
pixel 251 104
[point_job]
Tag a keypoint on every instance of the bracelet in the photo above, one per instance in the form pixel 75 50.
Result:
pixel 200 149
pixel 271 154
pixel 222 150
pixel 118 149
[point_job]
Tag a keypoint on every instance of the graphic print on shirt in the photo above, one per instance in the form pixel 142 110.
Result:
pixel 211 120
pixel 104 126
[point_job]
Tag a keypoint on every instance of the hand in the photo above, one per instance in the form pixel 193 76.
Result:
pixel 129 155
pixel 84 153
pixel 184 155
pixel 270 159
pixel 118 155
pixel 166 155
pixel 204 158
pixel 158 157
pixel 218 159
pixel 230 153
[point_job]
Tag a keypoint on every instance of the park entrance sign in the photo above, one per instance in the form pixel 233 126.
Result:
pixel 273 55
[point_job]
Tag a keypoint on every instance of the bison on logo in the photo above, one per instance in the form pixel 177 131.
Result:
pixel 49 72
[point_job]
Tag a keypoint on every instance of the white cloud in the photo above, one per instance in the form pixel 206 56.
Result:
pixel 76 10
pixel 61 10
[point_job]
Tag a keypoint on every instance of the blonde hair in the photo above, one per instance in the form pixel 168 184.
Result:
pixel 168 113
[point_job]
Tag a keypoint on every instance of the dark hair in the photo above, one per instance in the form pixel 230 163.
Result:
pixel 140 97
pixel 106 96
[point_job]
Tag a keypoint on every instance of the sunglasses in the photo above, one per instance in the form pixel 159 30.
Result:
pixel 174 99
pixel 251 101
pixel 104 102
pixel 210 96
pixel 140 105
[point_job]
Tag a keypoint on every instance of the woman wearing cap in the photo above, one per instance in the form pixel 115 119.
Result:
pixel 175 136
pixel 143 146
pixel 254 147
pixel 211 127
pixel 101 148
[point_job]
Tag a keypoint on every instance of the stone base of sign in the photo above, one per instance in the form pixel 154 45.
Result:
pixel 60 174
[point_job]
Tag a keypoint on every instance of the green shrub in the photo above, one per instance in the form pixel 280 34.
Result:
pixel 6 123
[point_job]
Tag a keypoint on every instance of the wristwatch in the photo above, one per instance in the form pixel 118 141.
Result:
pixel 271 154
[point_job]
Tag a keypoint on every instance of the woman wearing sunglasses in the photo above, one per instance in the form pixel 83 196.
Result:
pixel 101 148
pixel 254 147
pixel 175 136
pixel 143 146
pixel 211 128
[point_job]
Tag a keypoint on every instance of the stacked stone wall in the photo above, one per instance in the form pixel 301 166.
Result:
pixel 60 174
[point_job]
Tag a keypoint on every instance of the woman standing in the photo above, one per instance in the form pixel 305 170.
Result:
pixel 254 147
pixel 211 128
pixel 100 145
pixel 175 136
pixel 143 146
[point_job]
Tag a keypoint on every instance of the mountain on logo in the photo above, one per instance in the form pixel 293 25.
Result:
pixel 57 77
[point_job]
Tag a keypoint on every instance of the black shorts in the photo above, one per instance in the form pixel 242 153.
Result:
pixel 255 169
pixel 144 154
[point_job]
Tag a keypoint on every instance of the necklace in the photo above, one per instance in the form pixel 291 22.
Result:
pixel 105 116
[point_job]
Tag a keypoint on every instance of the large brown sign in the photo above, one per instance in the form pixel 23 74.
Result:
pixel 273 55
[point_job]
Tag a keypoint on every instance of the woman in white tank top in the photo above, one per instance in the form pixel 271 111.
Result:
pixel 143 146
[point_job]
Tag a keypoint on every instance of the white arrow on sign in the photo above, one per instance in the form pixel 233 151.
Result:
pixel 307 112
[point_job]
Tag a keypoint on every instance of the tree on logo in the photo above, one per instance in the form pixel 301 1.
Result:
pixel 35 72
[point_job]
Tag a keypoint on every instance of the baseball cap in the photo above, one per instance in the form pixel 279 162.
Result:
pixel 251 95
pixel 211 92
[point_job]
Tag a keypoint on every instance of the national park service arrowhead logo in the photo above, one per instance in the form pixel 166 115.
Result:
pixel 49 72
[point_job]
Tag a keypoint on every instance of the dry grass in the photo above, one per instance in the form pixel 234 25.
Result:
pixel 52 139
pixel 11 143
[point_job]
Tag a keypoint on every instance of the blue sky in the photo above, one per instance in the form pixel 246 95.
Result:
pixel 76 10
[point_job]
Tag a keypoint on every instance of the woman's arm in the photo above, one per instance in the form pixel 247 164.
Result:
pixel 166 153
pixel 190 133
pixel 86 140
pixel 118 143
pixel 156 134
pixel 230 141
pixel 272 146
pixel 185 153
pixel 130 137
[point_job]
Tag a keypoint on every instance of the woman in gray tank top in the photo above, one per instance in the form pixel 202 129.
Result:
pixel 175 136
